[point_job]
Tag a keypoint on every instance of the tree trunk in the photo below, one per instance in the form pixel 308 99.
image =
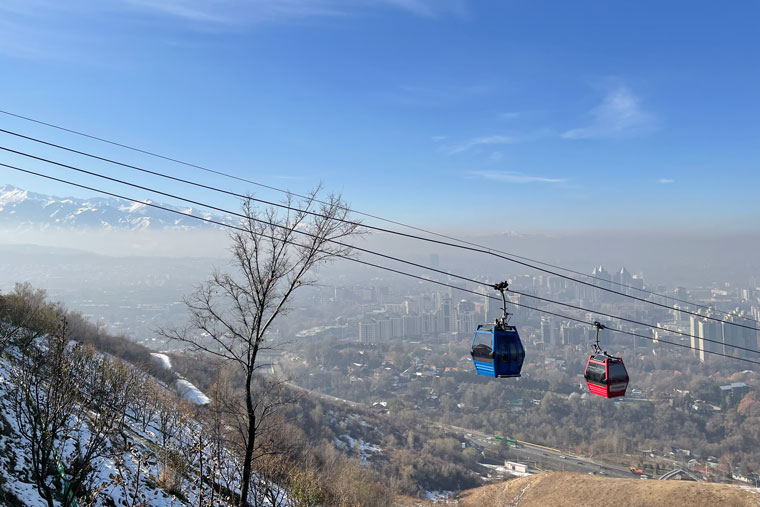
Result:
pixel 250 441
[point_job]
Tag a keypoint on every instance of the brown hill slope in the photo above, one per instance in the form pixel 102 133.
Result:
pixel 566 489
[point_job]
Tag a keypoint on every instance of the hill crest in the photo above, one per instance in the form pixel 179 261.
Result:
pixel 568 489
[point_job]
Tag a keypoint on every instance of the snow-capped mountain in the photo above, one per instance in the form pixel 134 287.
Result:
pixel 23 208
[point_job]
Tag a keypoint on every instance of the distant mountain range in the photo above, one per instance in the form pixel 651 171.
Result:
pixel 23 208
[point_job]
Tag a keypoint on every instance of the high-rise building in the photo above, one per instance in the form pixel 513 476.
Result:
pixel 549 332
pixel 465 317
pixel 702 330
pixel 397 327
pixel 736 336
pixel 412 326
pixel 725 337
pixel 571 334
pixel 385 329
pixel 623 276
pixel 602 279
pixel 444 316
pixel 368 331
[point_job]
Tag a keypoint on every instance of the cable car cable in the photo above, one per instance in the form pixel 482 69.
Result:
pixel 230 226
pixel 632 321
pixel 208 187
pixel 227 175
pixel 365 250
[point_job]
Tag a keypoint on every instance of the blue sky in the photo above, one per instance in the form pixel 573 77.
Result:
pixel 478 116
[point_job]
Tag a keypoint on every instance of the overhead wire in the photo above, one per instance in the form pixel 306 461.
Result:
pixel 371 252
pixel 360 249
pixel 369 215
pixel 379 229
pixel 368 251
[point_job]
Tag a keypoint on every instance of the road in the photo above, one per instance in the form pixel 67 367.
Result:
pixel 535 455
pixel 539 456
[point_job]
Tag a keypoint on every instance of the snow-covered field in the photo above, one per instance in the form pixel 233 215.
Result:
pixel 15 465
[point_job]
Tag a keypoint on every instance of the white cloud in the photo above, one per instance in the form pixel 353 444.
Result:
pixel 667 180
pixel 496 156
pixel 513 177
pixel 481 141
pixel 619 114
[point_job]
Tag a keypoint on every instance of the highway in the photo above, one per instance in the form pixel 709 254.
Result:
pixel 538 456
pixel 535 455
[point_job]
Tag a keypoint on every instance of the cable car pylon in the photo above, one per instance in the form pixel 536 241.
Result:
pixel 496 348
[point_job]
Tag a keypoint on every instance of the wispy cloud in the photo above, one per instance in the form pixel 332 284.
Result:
pixel 619 114
pixel 241 12
pixel 47 29
pixel 251 11
pixel 33 29
pixel 666 180
pixel 512 177
pixel 481 141
pixel 430 8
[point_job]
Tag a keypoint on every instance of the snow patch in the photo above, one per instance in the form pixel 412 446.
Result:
pixel 365 449
pixel 163 359
pixel 437 496
pixel 13 195
pixel 188 391
pixel 131 208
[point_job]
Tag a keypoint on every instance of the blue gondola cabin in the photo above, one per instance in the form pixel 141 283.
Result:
pixel 497 351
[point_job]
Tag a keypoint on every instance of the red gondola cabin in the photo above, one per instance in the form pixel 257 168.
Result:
pixel 606 376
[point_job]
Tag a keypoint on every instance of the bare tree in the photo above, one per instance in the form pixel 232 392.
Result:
pixel 274 253
pixel 45 396
pixel 68 402
pixel 144 403
pixel 106 386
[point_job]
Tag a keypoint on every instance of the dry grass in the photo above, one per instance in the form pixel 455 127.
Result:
pixel 566 489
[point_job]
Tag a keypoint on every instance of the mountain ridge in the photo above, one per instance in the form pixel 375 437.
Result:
pixel 20 208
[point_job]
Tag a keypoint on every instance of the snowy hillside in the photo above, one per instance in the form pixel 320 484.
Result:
pixel 158 455
pixel 22 208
